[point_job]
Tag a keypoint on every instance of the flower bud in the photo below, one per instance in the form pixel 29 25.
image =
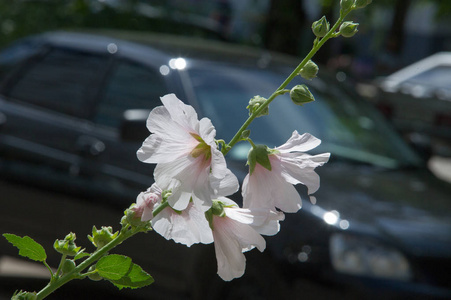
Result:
pixel 94 276
pixel 348 29
pixel 101 237
pixel 255 103
pixel 346 4
pixel 67 246
pixel 362 3
pixel 22 295
pixel 321 27
pixel 309 71
pixel 68 266
pixel 300 95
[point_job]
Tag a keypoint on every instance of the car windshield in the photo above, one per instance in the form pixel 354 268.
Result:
pixel 347 126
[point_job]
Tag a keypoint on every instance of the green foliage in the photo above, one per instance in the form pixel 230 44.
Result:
pixel 135 278
pixel 122 272
pixel 27 247
pixel 113 266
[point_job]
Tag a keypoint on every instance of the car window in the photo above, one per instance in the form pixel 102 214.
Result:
pixel 13 56
pixel 63 80
pixel 130 86
pixel 347 127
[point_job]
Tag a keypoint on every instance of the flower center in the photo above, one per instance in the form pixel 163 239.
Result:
pixel 201 149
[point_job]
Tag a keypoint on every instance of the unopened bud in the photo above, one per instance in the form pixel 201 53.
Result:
pixel 67 246
pixel 309 71
pixel 346 4
pixel 300 95
pixel 321 27
pixel 101 237
pixel 348 29
pixel 255 104
pixel 362 3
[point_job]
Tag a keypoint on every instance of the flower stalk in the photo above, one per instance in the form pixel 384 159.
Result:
pixel 280 90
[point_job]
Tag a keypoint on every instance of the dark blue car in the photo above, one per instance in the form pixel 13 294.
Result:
pixel 73 109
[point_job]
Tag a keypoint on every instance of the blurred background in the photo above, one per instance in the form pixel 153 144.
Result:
pixel 396 69
pixel 392 34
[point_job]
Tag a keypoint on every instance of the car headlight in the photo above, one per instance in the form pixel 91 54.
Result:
pixel 362 256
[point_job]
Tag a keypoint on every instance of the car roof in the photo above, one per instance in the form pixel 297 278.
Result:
pixel 160 48
pixel 439 59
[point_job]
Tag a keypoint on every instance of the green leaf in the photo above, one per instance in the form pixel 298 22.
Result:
pixel 27 247
pixel 135 278
pixel 114 266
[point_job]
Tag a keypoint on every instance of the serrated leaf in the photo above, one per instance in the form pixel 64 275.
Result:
pixel 27 247
pixel 136 278
pixel 114 266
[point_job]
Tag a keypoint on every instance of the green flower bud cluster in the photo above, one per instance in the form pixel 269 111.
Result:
pixel 131 218
pixel 309 71
pixel 101 237
pixel 255 103
pixel 300 94
pixel 67 246
pixel 321 27
pixel 22 295
pixel 348 29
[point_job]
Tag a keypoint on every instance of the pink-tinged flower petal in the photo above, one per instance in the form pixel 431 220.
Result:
pixel 268 189
pixel 232 238
pixel 300 169
pixel 183 114
pixel 274 189
pixel 270 226
pixel 187 227
pixel 225 186
pixel 146 202
pixel 300 143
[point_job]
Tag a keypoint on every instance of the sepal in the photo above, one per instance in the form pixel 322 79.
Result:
pixel 101 237
pixel 67 246
pixel 258 154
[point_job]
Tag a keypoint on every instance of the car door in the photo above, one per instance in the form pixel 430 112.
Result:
pixel 46 104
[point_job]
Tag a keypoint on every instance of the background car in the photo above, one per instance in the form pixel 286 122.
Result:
pixel 417 100
pixel 74 107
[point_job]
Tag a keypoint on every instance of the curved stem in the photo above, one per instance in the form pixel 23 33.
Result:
pixel 280 89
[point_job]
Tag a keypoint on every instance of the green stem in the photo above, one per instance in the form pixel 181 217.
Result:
pixel 160 207
pixel 75 273
pixel 63 258
pixel 280 90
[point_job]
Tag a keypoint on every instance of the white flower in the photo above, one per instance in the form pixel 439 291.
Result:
pixel 186 227
pixel 184 149
pixel 234 234
pixel 289 166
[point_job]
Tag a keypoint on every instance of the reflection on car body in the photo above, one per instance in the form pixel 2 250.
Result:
pixel 75 107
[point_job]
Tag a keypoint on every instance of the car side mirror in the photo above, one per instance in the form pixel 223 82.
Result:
pixel 133 126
